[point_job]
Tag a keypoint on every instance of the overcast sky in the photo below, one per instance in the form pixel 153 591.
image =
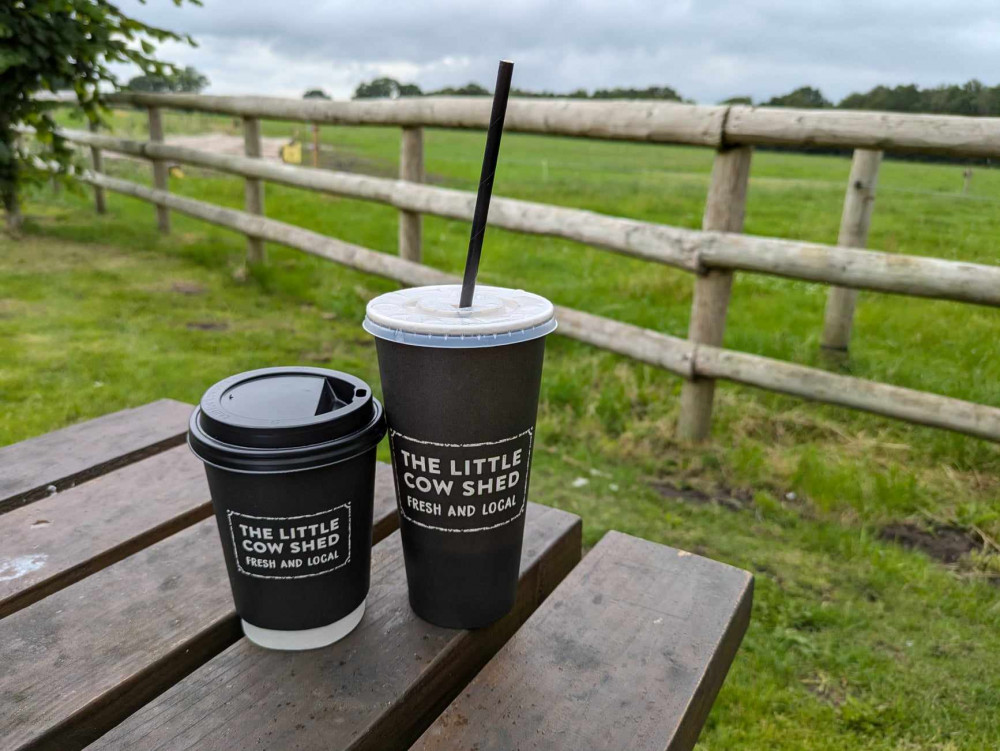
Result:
pixel 708 50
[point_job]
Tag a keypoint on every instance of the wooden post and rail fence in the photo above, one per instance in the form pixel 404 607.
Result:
pixel 711 254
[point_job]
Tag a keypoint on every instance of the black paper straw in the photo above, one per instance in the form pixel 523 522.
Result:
pixel 500 94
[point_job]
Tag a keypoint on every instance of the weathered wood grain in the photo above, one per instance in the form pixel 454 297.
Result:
pixel 691 250
pixel 76 663
pixel 669 245
pixel 658 349
pixel 385 520
pixel 97 162
pixel 37 467
pixel 161 175
pixel 951 135
pixel 856 393
pixel 376 689
pixel 665 122
pixel 411 168
pixel 253 189
pixel 878 271
pixel 653 347
pixel 56 541
pixel 859 201
pixel 647 121
pixel 724 211
pixel 629 652
pixel 273 230
pixel 59 540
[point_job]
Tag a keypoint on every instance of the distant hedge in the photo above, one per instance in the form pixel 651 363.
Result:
pixel 973 98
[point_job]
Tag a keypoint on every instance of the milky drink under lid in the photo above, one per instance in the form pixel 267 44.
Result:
pixel 431 317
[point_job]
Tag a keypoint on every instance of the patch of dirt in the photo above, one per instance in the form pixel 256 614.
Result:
pixel 734 499
pixel 827 688
pixel 943 543
pixel 187 288
pixel 207 326
pixel 8 307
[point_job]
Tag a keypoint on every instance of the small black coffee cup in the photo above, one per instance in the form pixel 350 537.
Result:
pixel 290 459
pixel 461 392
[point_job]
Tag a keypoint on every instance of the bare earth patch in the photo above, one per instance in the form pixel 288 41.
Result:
pixel 943 543
pixel 188 288
pixel 733 499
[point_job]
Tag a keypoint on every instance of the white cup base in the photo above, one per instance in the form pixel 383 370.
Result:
pixel 310 638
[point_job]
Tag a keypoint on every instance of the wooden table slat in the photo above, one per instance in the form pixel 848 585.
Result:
pixel 29 470
pixel 376 689
pixel 628 652
pixel 59 540
pixel 77 662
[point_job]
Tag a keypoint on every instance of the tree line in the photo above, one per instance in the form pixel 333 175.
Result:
pixel 971 98
pixel 174 81
pixel 390 88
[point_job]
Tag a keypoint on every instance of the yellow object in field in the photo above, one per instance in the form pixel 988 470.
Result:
pixel 291 153
pixel 176 171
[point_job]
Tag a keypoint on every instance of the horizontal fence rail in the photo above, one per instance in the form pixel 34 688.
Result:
pixel 712 253
pixel 656 122
pixel 691 250
pixel 945 135
pixel 676 355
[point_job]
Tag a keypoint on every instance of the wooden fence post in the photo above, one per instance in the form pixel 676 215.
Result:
pixel 160 172
pixel 253 189
pixel 858 205
pixel 97 160
pixel 411 167
pixel 315 144
pixel 724 210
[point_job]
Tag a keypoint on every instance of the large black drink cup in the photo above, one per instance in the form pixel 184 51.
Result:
pixel 461 392
pixel 290 459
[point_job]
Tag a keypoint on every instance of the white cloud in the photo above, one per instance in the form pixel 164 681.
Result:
pixel 707 50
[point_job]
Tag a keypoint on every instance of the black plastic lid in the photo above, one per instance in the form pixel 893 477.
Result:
pixel 285 419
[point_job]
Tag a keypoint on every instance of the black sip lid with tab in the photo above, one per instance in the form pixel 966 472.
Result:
pixel 285 419
pixel 290 459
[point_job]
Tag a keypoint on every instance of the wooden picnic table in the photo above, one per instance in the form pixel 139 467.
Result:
pixel 117 628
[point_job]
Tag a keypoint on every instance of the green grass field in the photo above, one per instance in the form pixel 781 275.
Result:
pixel 855 642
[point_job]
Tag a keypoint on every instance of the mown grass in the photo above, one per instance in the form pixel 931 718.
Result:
pixel 854 642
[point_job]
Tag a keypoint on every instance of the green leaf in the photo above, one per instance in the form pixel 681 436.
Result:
pixel 57 44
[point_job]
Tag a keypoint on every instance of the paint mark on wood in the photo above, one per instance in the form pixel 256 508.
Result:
pixel 15 568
